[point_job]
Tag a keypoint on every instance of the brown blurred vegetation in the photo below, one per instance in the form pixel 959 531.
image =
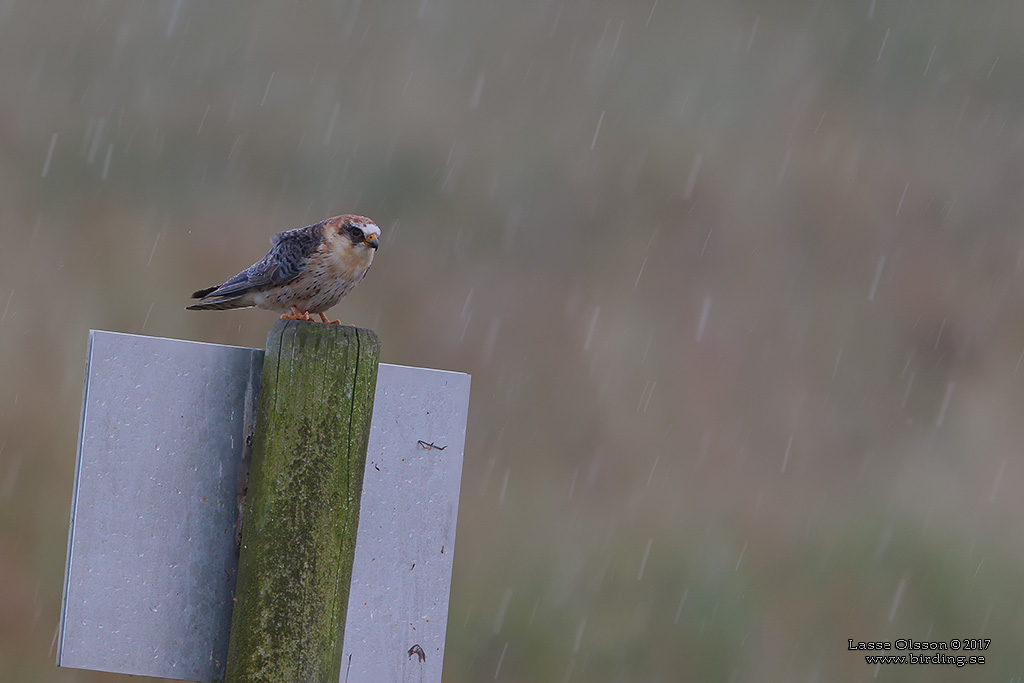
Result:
pixel 739 285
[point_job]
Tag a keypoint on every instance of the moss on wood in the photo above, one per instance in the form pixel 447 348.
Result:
pixel 302 508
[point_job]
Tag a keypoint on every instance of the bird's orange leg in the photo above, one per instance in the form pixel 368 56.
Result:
pixel 323 319
pixel 295 314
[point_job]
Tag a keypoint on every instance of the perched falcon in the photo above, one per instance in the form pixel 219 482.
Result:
pixel 307 270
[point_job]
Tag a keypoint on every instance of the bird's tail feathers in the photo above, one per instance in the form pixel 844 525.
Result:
pixel 221 304
pixel 200 293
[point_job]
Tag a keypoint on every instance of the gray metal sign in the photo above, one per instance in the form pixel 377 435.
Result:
pixel 151 549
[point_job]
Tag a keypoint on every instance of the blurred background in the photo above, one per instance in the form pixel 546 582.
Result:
pixel 739 284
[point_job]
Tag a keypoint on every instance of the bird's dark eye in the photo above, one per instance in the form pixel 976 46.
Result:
pixel 356 233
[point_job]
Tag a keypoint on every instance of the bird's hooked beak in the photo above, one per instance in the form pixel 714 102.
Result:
pixel 371 241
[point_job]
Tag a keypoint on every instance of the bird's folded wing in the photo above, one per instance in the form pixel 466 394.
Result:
pixel 282 264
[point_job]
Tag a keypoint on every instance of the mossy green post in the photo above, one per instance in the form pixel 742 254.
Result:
pixel 302 506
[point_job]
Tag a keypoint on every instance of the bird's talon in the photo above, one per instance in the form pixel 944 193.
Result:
pixel 294 314
pixel 324 319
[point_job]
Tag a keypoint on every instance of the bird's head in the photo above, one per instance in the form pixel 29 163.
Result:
pixel 354 234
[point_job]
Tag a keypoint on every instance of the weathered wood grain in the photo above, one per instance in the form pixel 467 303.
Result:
pixel 302 508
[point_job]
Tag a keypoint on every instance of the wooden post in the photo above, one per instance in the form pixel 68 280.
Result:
pixel 302 506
